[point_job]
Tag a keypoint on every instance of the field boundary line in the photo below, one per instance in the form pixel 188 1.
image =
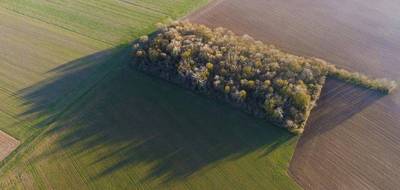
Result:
pixel 11 142
pixel 211 4
pixel 8 135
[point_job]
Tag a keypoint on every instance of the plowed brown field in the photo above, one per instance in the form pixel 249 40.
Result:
pixel 352 140
pixel 7 144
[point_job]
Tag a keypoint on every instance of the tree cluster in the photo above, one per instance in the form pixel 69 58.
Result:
pixel 249 74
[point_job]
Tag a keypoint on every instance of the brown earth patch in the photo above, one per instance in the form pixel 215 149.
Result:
pixel 7 144
pixel 353 135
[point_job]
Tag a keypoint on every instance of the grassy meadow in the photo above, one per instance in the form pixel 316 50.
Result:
pixel 86 121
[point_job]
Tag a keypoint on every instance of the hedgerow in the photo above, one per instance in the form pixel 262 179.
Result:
pixel 259 78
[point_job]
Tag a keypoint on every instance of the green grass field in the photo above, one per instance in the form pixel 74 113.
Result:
pixel 86 121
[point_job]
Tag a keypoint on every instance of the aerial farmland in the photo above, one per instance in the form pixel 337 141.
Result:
pixel 199 94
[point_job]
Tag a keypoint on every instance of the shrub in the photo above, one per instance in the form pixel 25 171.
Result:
pixel 301 100
pixel 256 77
pixel 242 95
pixel 227 89
pixel 209 66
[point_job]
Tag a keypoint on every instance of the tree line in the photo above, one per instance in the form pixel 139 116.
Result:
pixel 257 77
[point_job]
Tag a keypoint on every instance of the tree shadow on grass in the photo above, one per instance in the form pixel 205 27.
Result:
pixel 70 81
pixel 120 119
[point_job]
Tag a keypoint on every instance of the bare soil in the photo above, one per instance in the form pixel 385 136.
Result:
pixel 7 144
pixel 353 135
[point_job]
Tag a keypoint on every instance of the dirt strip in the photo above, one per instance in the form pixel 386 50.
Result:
pixel 7 144
pixel 353 135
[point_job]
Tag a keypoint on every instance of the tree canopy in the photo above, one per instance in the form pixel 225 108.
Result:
pixel 257 77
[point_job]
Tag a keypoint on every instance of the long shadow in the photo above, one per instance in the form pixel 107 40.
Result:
pixel 339 101
pixel 102 107
pixel 71 80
